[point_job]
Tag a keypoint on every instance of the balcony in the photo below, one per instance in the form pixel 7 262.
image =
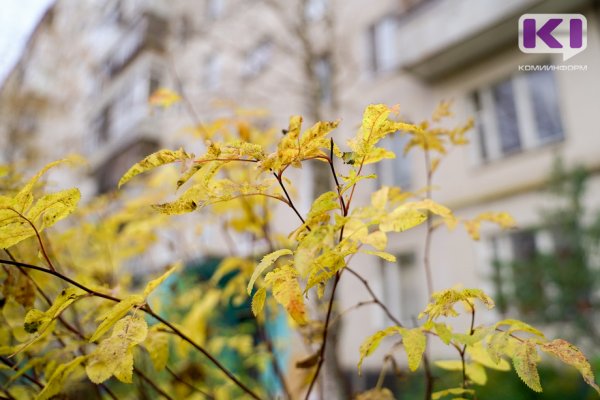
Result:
pixel 148 33
pixel 444 36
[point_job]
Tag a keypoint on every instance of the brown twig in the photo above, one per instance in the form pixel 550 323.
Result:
pixel 376 300
pixel 31 379
pixel 147 310
pixel 324 339
pixel 186 383
pixel 39 238
pixel 289 199
pixel 150 382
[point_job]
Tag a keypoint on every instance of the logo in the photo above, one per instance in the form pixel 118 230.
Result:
pixel 553 33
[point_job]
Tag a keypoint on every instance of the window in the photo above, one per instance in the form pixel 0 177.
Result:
pixel 516 114
pixel 258 59
pixel 402 288
pixel 396 171
pixel 382 46
pixel 322 69
pixel 212 72
pixel 153 81
pixel 314 10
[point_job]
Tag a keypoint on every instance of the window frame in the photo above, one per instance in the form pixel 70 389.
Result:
pixel 488 146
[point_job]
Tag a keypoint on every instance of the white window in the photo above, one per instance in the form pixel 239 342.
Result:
pixel 258 59
pixel 516 114
pixel 382 44
pixel 212 72
pixel 322 68
pixel 314 10
pixel 402 287
pixel 396 171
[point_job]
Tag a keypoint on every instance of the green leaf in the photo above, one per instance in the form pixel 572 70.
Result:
pixel 154 160
pixel 265 263
pixel 116 313
pixel 571 355
pixel 59 378
pixel 525 360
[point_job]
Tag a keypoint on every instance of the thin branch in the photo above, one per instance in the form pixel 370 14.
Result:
pixel 376 300
pixel 290 202
pixel 109 392
pixel 337 183
pixel 151 383
pixel 186 383
pixel 325 331
pixel 39 238
pixel 428 236
pixel 146 308
pixel 31 379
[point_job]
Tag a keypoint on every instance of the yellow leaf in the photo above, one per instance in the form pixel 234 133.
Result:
pixel 503 219
pixel 479 355
pixel 444 301
pixel 376 239
pixel 382 254
pixel 54 207
pixel 258 301
pixel 116 313
pixel 24 198
pixel 36 320
pixel 154 160
pixel 372 342
pixel 525 362
pixel 376 394
pixel 375 126
pixel 414 341
pixel 114 356
pixel 157 344
pixel 265 263
pixel 164 97
pixel 571 355
pixel 287 292
pixel 401 219
pixel 516 325
pixel 153 284
pixel 452 391
pixel 59 378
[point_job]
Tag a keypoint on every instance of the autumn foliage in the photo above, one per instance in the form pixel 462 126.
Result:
pixel 73 315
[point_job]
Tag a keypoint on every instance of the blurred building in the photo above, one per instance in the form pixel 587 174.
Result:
pixel 84 80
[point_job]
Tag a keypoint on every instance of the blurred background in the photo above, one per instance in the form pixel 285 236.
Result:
pixel 76 76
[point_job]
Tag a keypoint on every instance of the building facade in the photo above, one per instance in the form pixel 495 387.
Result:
pixel 326 59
